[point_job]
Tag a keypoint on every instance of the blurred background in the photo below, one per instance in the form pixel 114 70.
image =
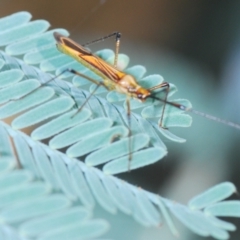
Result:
pixel 193 44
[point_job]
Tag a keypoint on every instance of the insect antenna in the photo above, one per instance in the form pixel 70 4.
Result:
pixel 205 115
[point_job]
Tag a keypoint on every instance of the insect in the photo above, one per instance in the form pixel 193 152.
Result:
pixel 112 78
pixel 115 80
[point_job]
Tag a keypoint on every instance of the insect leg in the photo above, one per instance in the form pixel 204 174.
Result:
pixel 41 85
pixel 114 34
pixel 98 84
pixel 75 73
pixel 79 109
pixel 117 35
pixel 167 86
pixel 129 133
pixel 85 76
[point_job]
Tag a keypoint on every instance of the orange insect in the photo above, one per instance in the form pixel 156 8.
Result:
pixel 115 80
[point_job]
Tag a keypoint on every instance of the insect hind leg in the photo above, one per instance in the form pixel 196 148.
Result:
pixel 44 84
pixel 97 83
pixel 74 72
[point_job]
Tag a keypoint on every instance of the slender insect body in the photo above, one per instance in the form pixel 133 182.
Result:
pixel 111 77
pixel 114 79
pixel 86 58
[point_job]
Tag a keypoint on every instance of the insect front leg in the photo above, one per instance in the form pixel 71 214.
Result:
pixel 167 87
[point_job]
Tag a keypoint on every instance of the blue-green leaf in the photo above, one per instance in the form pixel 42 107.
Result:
pixel 43 112
pixel 224 209
pixel 33 208
pixel 27 30
pixel 14 107
pixel 138 159
pixel 10 77
pixel 81 190
pixel 39 55
pixel 79 132
pixel 99 191
pixel 96 141
pixel 117 149
pixel 11 180
pixel 35 227
pixel 59 124
pixel 212 195
pixel 20 192
pixel 44 166
pixel 85 230
pixel 17 19
pixel 30 44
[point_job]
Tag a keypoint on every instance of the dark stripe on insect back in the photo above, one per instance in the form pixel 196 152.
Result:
pixel 76 47
pixel 104 68
pixel 110 72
